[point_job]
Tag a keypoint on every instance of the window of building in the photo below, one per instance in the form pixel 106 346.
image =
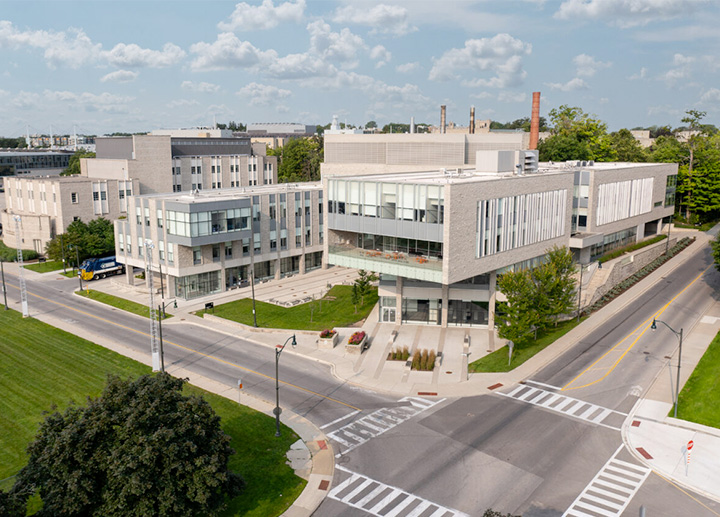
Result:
pixel 161 250
pixel 96 196
pixel 197 255
pixel 147 216
pixel 246 246
pixel 171 252
pixel 74 197
pixel 138 215
pixel 140 246
pixel 159 218
pixel 228 250
pixel 216 252
pixel 121 242
pixel 256 208
pixel 273 240
pixel 256 243
pixel 283 239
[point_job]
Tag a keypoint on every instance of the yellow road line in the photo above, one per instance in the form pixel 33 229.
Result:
pixel 208 356
pixel 642 328
pixel 686 493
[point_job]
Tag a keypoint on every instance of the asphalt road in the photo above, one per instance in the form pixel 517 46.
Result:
pixel 459 455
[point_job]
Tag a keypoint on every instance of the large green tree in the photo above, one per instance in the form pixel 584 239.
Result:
pixel 140 448
pixel 94 239
pixel 299 159
pixel 692 118
pixel 74 165
pixel 625 147
pixel 575 135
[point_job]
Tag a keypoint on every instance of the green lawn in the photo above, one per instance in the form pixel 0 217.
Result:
pixel 326 314
pixel 44 366
pixel 700 397
pixel 120 303
pixel 497 361
pixel 45 267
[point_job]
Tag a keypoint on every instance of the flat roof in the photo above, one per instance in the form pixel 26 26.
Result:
pixel 224 194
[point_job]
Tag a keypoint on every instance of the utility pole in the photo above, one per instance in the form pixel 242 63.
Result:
pixel 2 271
pixel 62 250
pixel 23 288
pixel 149 246
pixel 161 314
pixel 252 288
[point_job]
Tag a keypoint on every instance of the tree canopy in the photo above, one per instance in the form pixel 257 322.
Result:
pixel 74 165
pixel 299 159
pixel 140 448
pixel 13 143
pixel 94 239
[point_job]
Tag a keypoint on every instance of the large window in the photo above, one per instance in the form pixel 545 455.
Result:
pixel 207 223
pixel 624 199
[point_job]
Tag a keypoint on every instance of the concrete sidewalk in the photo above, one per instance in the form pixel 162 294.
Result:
pixel 660 441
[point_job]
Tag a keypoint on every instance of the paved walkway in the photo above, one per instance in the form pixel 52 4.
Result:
pixel 661 437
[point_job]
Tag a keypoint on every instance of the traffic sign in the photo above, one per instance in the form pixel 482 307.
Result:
pixel 239 384
pixel 690 445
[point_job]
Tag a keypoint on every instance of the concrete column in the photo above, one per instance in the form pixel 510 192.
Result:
pixel 491 303
pixel 640 232
pixel 129 277
pixel 398 299
pixel 302 264
pixel 277 269
pixel 445 289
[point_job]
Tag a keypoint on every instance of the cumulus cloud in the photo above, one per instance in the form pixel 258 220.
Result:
pixel 85 101
pixel 247 17
pixel 626 13
pixel 262 94
pixel 501 55
pixel 299 66
pixel 482 95
pixel 340 46
pixel 710 96
pixel 201 87
pixel 407 68
pixel 642 74
pixel 506 96
pixel 381 55
pixel 227 51
pixel 682 70
pixel 119 76
pixel 587 66
pixel 182 103
pixel 132 55
pixel 386 19
pixel 570 86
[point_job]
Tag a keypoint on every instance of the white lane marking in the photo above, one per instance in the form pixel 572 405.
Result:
pixel 356 433
pixel 340 419
pixel 567 405
pixel 549 386
pixel 624 482
pixel 357 483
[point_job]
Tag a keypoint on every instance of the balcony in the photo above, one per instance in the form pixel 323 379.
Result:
pixel 421 267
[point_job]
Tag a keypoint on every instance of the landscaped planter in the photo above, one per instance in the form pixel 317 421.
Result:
pixel 329 341
pixel 356 343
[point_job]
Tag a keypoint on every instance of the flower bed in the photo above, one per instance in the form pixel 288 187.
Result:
pixel 356 342
pixel 328 338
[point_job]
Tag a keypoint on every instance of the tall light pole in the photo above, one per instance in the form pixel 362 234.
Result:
pixel 579 291
pixel 154 350
pixel 62 250
pixel 252 289
pixel 21 267
pixel 77 259
pixel 277 410
pixel 2 271
pixel 667 243
pixel 679 335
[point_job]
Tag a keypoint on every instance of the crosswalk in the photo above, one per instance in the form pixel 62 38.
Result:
pixel 379 499
pixel 562 404
pixel 360 431
pixel 611 490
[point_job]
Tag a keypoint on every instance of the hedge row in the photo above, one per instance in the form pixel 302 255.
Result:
pixel 10 254
pixel 632 247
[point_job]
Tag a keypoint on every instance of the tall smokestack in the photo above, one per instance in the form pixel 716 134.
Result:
pixel 412 125
pixel 535 121
pixel 442 118
pixel 472 120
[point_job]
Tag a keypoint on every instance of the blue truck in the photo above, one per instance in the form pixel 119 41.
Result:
pixel 94 268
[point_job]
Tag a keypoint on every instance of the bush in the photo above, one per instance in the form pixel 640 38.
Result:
pixel 10 254
pixel 423 360
pixel 405 353
pixel 632 247
pixel 327 333
pixel 416 360
pixel 356 338
pixel 431 360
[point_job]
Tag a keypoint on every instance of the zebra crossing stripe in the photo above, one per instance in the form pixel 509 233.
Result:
pixel 611 490
pixel 356 433
pixel 396 502
pixel 561 404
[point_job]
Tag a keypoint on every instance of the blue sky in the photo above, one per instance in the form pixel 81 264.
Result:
pixel 105 66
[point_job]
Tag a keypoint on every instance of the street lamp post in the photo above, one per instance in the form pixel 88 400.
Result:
pixel 579 292
pixel 679 335
pixel 161 313
pixel 77 259
pixel 2 270
pixel 252 288
pixel 277 411
pixel 62 250
pixel 667 243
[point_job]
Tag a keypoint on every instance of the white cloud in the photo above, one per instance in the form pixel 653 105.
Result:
pixel 407 68
pixel 587 66
pixel 132 55
pixel 505 96
pixel 626 13
pixel 247 17
pixel 386 19
pixel 201 87
pixel 340 46
pixel 570 86
pixel 4 92
pixel 262 94
pixel 501 54
pixel 710 96
pixel 104 102
pixel 482 95
pixel 119 76
pixel 299 66
pixel 281 108
pixel 381 55
pixel 642 74
pixel 182 103
pixel 73 48
pixel 681 72
pixel 226 52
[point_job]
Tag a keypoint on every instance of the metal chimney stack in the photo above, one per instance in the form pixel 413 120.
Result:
pixel 442 118
pixel 412 125
pixel 535 121
pixel 472 120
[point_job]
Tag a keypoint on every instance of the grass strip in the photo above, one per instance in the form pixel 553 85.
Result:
pixel 335 309
pixel 44 366
pixel 45 267
pixel 497 361
pixel 119 303
pixel 699 400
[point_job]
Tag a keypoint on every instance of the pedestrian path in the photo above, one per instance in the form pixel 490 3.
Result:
pixel 376 423
pixel 379 499
pixel 611 490
pixel 562 404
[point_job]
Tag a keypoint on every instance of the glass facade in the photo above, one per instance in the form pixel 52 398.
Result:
pixel 207 223
pixel 613 241
pixel 194 286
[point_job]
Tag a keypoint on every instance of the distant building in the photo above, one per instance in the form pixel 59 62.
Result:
pixel 213 240
pixel 32 163
pixel 276 135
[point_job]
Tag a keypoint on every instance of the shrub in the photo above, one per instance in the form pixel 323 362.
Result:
pixel 423 360
pixel 327 333
pixel 431 360
pixel 10 254
pixel 416 360
pixel 405 353
pixel 356 338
